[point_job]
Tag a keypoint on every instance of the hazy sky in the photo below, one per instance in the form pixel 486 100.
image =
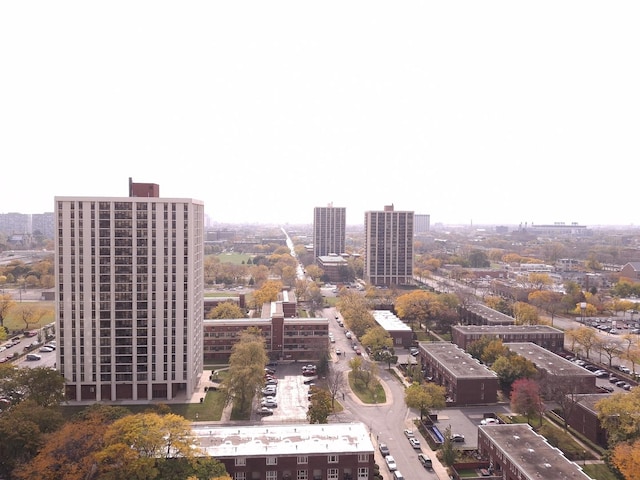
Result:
pixel 473 111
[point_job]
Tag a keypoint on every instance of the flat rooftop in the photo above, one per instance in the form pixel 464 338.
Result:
pixel 298 439
pixel 458 362
pixel 489 314
pixel 507 329
pixel 535 458
pixel 390 322
pixel 543 359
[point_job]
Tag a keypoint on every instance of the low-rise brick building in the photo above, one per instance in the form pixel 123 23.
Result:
pixel 399 331
pixel 479 314
pixel 516 452
pixel 335 451
pixel 466 380
pixel 559 371
pixel 583 417
pixel 542 335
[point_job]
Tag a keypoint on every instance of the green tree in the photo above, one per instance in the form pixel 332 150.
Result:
pixel 510 368
pixel 448 453
pixel 425 397
pixel 320 405
pixel 246 369
pixel 377 339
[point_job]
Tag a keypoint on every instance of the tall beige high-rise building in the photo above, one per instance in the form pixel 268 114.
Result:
pixel 329 224
pixel 388 247
pixel 129 295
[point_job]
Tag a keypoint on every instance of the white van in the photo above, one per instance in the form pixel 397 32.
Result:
pixel 397 475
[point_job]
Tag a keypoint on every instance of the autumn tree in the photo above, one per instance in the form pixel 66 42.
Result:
pixel 267 293
pixel 377 339
pixel 320 405
pixel 525 314
pixel 476 348
pixel 587 338
pixel 6 304
pixel 418 305
pixel 246 369
pixel 493 350
pixel 30 314
pixel 226 310
pixel 618 415
pixel 626 458
pixel 547 300
pixel 425 397
pixel 526 399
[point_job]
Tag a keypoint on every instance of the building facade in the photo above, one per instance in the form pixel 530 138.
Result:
pixel 129 296
pixel 340 451
pixel 516 452
pixel 388 247
pixel 329 224
pixel 466 381
pixel 542 335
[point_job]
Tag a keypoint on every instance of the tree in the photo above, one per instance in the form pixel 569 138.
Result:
pixel 618 415
pixel 547 300
pixel 425 397
pixel 587 338
pixel 525 314
pixel 335 384
pixel 510 368
pixel 246 369
pixel 6 304
pixel 492 351
pixel 476 348
pixel 448 453
pixel 267 293
pixel 320 406
pixel 416 306
pixel 525 398
pixel 135 445
pixel 226 310
pixel 377 339
pixel 626 458
pixel 30 314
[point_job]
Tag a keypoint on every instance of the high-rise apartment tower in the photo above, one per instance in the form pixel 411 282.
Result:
pixel 129 296
pixel 388 247
pixel 329 230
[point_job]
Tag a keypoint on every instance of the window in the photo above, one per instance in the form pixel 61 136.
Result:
pixel 241 461
pixel 303 460
pixel 332 474
pixel 302 475
pixel 363 473
pixel 272 475
pixel 332 459
pixel 363 457
pixel 240 476
pixel 272 460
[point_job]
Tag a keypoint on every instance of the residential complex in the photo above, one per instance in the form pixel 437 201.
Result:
pixel 388 247
pixel 329 225
pixel 542 335
pixel 338 451
pixel 129 295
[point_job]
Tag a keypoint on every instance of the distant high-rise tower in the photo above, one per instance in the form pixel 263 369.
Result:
pixel 328 230
pixel 388 247
pixel 422 223
pixel 129 295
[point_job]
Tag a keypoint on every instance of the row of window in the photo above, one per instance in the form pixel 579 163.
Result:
pixel 301 459
pixel 332 474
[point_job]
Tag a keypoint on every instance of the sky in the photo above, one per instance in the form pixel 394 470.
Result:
pixel 474 112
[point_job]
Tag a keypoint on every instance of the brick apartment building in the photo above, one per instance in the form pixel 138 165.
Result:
pixel 466 380
pixel 340 451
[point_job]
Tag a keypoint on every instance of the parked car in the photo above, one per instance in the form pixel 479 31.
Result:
pixel 384 449
pixel 414 351
pixel 338 351
pixel 489 421
pixel 269 403
pixel 415 443
pixel 264 411
pixel 46 349
pixel 33 356
pixel 309 381
pixel 391 463
pixel 425 461
pixel 457 437
pixel 408 433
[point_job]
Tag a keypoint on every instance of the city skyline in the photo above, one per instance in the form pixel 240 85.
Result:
pixel 473 113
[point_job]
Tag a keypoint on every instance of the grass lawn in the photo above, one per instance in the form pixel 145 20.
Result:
pixel 209 410
pixel 365 394
pixel 13 321
pixel 235 258
pixel 599 471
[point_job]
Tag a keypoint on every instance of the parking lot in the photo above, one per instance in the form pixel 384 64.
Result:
pixel 291 396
